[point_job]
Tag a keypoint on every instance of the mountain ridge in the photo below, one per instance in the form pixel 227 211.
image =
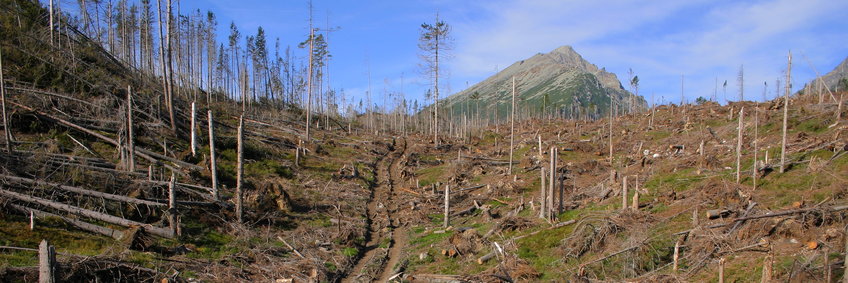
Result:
pixel 560 81
pixel 831 79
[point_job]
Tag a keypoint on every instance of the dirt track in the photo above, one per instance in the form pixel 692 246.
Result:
pixel 377 263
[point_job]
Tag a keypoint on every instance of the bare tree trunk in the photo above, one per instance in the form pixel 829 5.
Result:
pixel 50 10
pixel 610 130
pixel 827 270
pixel 551 183
pixel 635 203
pixel 161 51
pixel 436 94
pixel 447 206
pixel 653 110
pixel 544 196
pixel 6 127
pixel 845 274
pixel 170 71
pixel 785 114
pixel 46 259
pixel 212 163
pixel 512 127
pixel 193 128
pixel 172 205
pixel 240 170
pixel 755 168
pixel 309 78
pixel 130 134
pixel 88 213
pixel 739 146
pixel 624 192
pixel 676 255
pixel 768 268
pixel 560 185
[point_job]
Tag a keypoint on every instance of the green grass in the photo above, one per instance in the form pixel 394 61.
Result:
pixel 267 168
pixel 658 135
pixel 431 175
pixel 812 126
pixel 679 181
pixel 521 152
pixel 14 231
pixel 350 251
pixel 540 250
pixel 425 240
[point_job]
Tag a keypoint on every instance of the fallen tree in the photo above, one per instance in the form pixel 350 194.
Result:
pixel 163 232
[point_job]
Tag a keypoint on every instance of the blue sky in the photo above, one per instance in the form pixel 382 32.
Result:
pixel 659 40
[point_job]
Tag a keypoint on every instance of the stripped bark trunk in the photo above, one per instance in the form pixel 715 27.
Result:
pixel 543 199
pixel 551 184
pixel 172 205
pixel 624 193
pixel 240 171
pixel 755 168
pixel 447 206
pixel 785 114
pixel 193 128
pixel 143 153
pixel 213 166
pixel 130 134
pixel 768 268
pixel 50 28
pixel 739 146
pixel 81 191
pixel 46 259
pixel 560 185
pixel 106 231
pixel 512 127
pixel 89 213
pixel 676 255
pixel 6 130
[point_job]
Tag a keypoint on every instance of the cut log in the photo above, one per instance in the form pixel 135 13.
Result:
pixel 485 258
pixel 143 153
pixel 467 189
pixel 106 231
pixel 89 213
pixel 81 191
pixel 717 213
pixel 464 211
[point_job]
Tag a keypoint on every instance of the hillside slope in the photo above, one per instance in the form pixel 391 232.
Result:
pixel 683 198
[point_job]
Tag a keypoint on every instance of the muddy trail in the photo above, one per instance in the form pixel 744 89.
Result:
pixel 385 237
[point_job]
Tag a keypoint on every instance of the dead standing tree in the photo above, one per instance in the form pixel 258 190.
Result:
pixel 739 146
pixel 212 163
pixel 785 113
pixel 240 171
pixel 434 40
pixel 6 129
pixel 512 127
pixel 130 135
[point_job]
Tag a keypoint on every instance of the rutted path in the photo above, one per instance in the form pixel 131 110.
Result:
pixel 377 262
